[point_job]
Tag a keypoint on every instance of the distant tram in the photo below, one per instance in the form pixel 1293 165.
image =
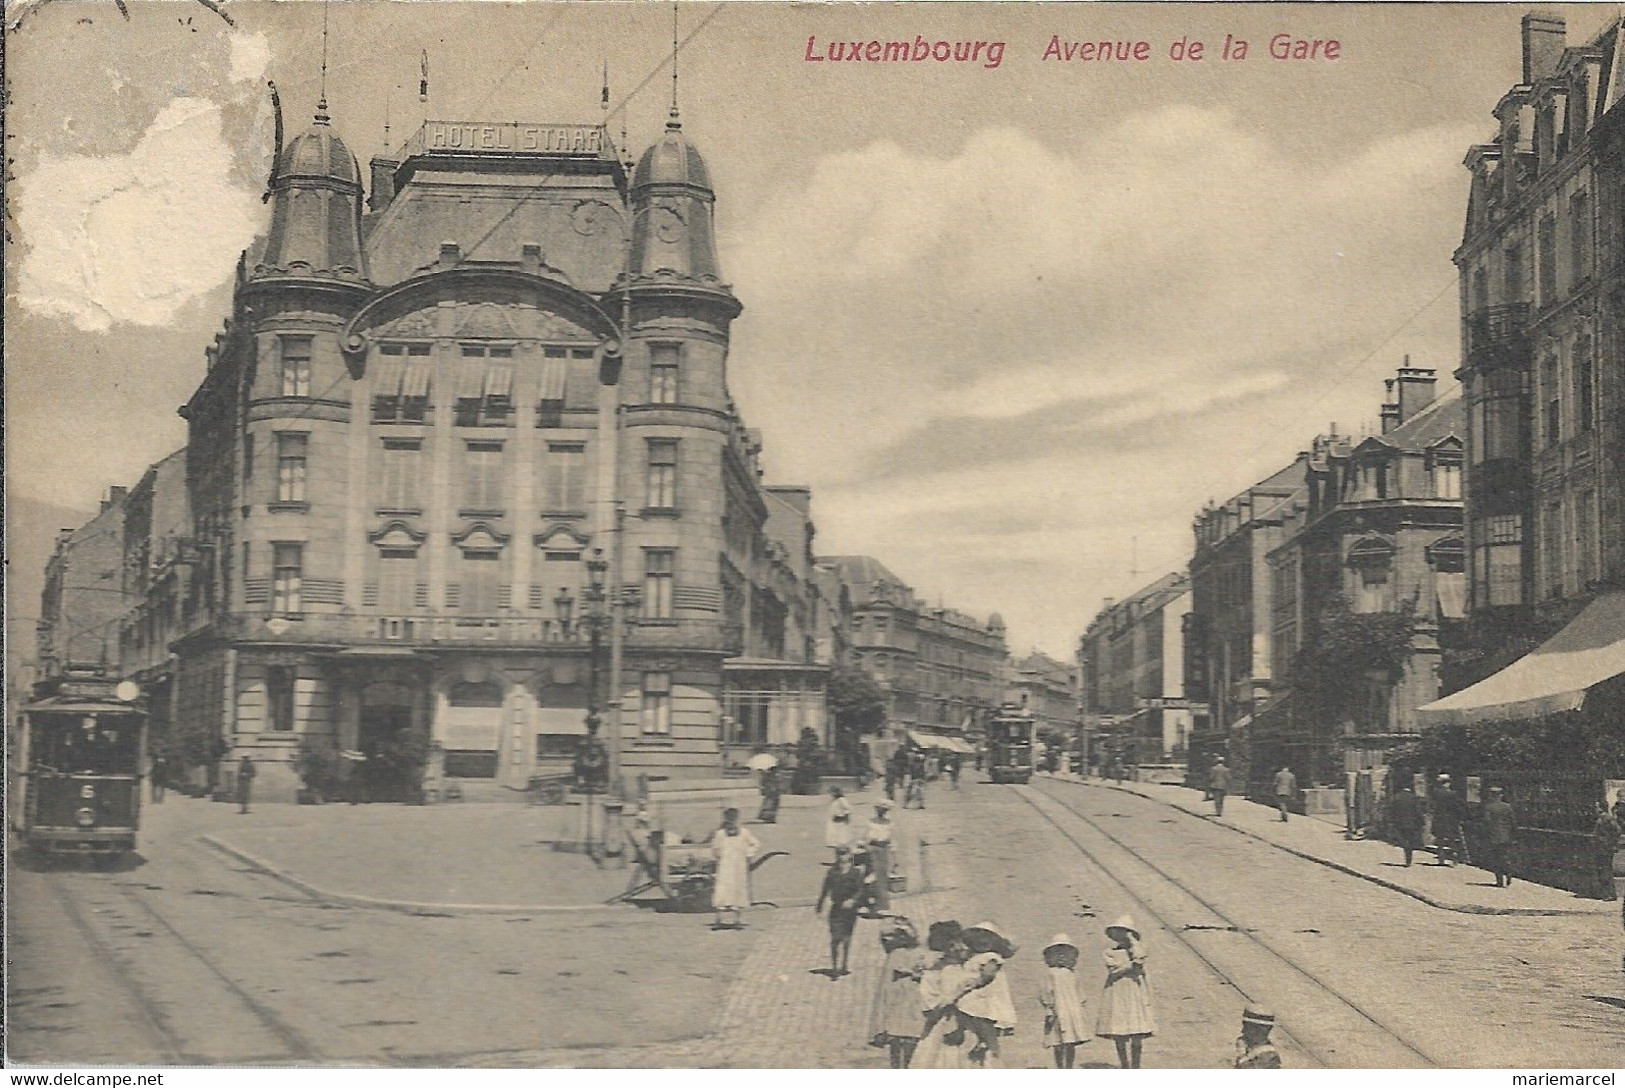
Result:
pixel 83 742
pixel 1010 746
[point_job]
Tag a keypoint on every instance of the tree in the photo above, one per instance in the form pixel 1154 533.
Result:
pixel 857 705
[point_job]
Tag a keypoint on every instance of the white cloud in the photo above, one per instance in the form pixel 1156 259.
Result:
pixel 1059 340
pixel 133 237
pixel 250 55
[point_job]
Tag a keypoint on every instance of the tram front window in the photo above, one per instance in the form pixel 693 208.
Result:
pixel 85 744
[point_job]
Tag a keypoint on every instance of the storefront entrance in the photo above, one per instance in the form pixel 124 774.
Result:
pixel 392 767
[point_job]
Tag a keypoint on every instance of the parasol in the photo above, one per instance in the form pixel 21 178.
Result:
pixel 762 761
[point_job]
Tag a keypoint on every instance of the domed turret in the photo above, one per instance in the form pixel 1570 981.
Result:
pixel 316 208
pixel 672 205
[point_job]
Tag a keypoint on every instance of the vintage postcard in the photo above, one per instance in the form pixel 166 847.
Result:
pixel 814 536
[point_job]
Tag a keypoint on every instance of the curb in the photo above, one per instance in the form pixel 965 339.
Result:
pixel 1441 904
pixel 405 906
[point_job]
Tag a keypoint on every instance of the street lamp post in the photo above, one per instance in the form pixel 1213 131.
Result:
pixel 592 762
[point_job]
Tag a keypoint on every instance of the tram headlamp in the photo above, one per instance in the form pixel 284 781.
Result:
pixel 86 817
pixel 87 792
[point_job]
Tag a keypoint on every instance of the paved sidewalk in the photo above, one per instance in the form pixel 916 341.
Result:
pixel 1463 888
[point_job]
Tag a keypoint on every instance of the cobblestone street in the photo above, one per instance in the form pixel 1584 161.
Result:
pixel 207 960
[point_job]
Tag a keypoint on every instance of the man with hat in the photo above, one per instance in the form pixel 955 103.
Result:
pixel 1254 1049
pixel 1218 784
pixel 1447 808
pixel 1499 827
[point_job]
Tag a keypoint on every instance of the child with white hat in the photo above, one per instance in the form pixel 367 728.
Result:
pixel 1064 1023
pixel 1125 1015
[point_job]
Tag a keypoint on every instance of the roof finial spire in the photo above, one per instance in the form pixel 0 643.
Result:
pixel 321 103
pixel 674 122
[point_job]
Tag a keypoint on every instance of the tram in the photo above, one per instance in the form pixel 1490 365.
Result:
pixel 82 749
pixel 1010 746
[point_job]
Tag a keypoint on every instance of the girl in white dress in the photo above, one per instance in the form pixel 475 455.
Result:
pixel 1125 1015
pixel 1064 1024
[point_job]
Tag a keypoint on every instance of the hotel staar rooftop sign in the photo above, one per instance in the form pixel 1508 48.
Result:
pixel 508 137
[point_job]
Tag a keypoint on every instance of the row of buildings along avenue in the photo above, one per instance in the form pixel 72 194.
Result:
pixel 1384 584
pixel 464 467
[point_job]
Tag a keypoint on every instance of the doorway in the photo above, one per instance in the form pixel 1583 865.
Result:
pixel 387 773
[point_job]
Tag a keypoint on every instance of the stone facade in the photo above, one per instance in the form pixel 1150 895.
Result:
pixel 1048 689
pixel 422 431
pixel 1379 532
pixel 940 668
pixel 1541 299
pixel 1134 673
pixel 1229 663
pixel 84 597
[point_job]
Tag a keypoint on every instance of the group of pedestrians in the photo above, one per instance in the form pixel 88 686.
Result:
pixel 949 1005
pixel 909 769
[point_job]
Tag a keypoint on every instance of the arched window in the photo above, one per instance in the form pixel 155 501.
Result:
pixel 1371 560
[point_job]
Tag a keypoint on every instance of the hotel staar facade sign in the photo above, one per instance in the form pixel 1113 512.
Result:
pixel 511 137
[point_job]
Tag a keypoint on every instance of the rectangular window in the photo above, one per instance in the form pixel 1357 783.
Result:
pixel 287 575
pixel 295 366
pixel 1514 274
pixel 481 576
pixel 248 467
pixel 397 580
pixel 1547 256
pixel 279 683
pixel 662 474
pixel 1551 387
pixel 655 710
pixel 659 570
pixel 1580 237
pixel 1551 546
pixel 555 387
pixel 1481 291
pixel 1586 544
pixel 1498 561
pixel 1585 386
pixel 291 466
pixel 482 476
pixel 663 373
pixel 564 478
pixel 1446 480
pixel 400 476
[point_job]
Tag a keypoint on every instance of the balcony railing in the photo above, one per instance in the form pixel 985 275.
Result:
pixel 1498 334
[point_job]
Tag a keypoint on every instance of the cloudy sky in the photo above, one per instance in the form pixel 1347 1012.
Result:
pixel 1014 325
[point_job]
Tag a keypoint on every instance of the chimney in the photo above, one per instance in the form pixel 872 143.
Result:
pixel 1416 386
pixel 451 255
pixel 1389 413
pixel 1543 40
pixel 383 184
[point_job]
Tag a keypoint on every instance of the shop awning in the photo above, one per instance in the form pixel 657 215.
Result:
pixel 946 744
pixel 1552 678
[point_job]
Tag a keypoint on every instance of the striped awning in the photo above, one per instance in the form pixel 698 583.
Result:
pixel 1550 679
pixel 470 382
pixel 555 374
pixel 386 376
pixel 416 383
pixel 499 380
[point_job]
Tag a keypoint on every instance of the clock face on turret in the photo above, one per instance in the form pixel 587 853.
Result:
pixel 590 217
pixel 668 223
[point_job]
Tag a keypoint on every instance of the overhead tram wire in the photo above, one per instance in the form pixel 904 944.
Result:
pixel 1343 373
pixel 524 199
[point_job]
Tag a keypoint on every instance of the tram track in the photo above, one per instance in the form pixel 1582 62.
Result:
pixel 1347 1020
pixel 190 979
